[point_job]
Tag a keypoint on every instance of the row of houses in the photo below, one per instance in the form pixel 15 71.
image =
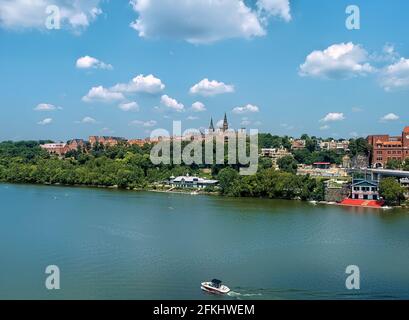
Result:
pixel 62 148
pixel 332 145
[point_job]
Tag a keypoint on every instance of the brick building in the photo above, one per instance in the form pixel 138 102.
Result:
pixel 386 148
pixel 55 148
pixel 106 141
pixel 76 144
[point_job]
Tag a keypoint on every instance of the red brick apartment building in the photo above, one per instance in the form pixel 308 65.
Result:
pixel 386 148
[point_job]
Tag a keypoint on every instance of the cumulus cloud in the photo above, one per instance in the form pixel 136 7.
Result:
pixel 88 120
pixel 198 107
pixel 279 8
pixel 145 124
pixel 146 84
pixel 129 106
pixel 339 61
pixel 390 117
pixel 396 76
pixel 249 108
pixel 140 84
pixel 219 124
pixel 211 88
pixel 101 94
pixel 21 14
pixel 199 21
pixel 45 122
pixel 172 103
pixel 88 62
pixel 46 107
pixel 333 116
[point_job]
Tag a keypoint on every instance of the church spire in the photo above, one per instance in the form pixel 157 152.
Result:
pixel 225 123
pixel 211 127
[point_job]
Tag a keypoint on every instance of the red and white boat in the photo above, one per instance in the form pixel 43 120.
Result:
pixel 215 286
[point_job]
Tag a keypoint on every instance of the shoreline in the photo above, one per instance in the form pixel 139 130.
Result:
pixel 195 192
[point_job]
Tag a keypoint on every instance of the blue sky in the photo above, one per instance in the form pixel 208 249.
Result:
pixel 285 67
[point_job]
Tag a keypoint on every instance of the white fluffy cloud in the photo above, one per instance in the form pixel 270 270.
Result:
pixel 101 94
pixel 88 62
pixel 88 120
pixel 249 108
pixel 45 121
pixel 210 88
pixel 129 106
pixel 198 107
pixel 199 21
pixel 396 76
pixel 145 124
pixel 20 14
pixel 172 103
pixel 280 8
pixel 147 84
pixel 333 116
pixel 46 107
pixel 140 84
pixel 390 117
pixel 339 61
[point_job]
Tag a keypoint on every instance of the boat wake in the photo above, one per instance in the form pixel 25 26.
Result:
pixel 238 295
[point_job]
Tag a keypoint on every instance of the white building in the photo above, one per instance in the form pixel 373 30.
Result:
pixel 191 182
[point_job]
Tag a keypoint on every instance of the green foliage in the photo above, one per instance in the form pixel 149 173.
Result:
pixel 394 164
pixel 270 183
pixel 266 140
pixel 121 166
pixel 287 164
pixel 391 191
pixel 359 146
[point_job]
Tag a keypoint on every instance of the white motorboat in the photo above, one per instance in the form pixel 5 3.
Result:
pixel 215 286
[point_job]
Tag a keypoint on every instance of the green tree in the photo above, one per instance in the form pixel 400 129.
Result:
pixel 287 164
pixel 394 164
pixel 391 191
pixel 229 182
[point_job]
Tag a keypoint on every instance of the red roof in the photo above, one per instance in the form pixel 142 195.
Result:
pixel 322 162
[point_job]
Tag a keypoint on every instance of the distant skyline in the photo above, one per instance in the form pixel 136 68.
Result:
pixel 124 68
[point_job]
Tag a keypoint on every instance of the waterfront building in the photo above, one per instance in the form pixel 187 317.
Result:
pixel 386 148
pixel 363 189
pixel 191 182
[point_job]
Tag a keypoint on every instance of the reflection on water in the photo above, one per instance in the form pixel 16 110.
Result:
pixel 128 245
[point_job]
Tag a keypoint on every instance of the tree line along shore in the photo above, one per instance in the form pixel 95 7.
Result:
pixel 129 167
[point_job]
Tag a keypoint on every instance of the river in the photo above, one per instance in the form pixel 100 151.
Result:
pixel 111 244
